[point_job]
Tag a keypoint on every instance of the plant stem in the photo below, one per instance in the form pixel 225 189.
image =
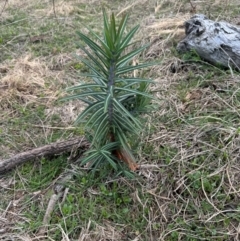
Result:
pixel 111 90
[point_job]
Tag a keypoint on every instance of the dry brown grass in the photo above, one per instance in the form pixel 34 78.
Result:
pixel 24 81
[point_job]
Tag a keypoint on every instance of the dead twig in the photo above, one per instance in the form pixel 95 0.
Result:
pixel 51 149
pixel 4 6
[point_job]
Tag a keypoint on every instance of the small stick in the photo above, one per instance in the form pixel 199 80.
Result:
pixel 51 204
pixel 5 4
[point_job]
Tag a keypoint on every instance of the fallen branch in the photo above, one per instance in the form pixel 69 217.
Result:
pixel 216 42
pixel 47 150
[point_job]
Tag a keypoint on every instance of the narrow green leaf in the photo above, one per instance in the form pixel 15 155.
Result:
pixel 110 161
pixel 96 122
pixel 103 44
pixel 121 29
pixel 109 41
pixel 95 115
pixel 123 97
pixel 128 37
pixel 105 20
pixel 86 101
pixel 132 126
pixel 85 86
pixel 119 51
pixel 107 36
pixel 97 163
pixel 95 61
pixel 128 57
pixel 107 101
pixel 76 96
pixel 102 130
pixel 98 79
pixel 135 92
pixel 126 69
pixel 125 124
pixel 88 110
pixel 93 68
pixel 106 151
pixel 89 158
pixel 97 50
pixel 113 28
pixel 123 140
pixel 126 112
pixel 134 80
pixel 110 146
pixel 92 44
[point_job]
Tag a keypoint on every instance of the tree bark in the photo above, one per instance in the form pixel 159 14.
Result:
pixel 51 149
pixel 216 42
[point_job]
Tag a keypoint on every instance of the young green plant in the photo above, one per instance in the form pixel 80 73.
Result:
pixel 114 98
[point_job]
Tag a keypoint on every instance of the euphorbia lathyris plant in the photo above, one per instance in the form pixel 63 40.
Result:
pixel 114 98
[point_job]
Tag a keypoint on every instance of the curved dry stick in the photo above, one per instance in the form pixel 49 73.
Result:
pixel 51 149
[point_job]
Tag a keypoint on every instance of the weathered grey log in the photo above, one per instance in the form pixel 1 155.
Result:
pixel 216 42
pixel 51 149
